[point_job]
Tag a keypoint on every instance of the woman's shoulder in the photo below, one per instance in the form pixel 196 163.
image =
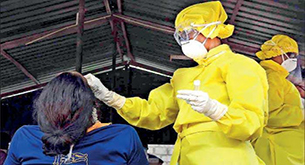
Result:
pixel 27 134
pixel 26 129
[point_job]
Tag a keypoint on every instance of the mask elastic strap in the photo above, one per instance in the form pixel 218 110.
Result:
pixel 206 26
pixel 284 54
pixel 209 35
pixel 282 58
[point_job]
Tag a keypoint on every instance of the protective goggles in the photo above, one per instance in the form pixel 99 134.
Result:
pixel 185 33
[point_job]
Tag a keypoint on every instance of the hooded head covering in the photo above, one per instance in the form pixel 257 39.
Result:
pixel 278 45
pixel 205 13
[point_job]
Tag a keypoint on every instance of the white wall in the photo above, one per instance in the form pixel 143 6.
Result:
pixel 162 151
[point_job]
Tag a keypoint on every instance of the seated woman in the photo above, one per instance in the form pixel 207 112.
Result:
pixel 68 131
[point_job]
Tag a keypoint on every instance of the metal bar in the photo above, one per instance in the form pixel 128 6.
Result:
pixel 113 84
pixel 129 81
pixel 178 57
pixel 24 90
pixel 113 25
pixel 235 11
pixel 89 24
pixel 234 14
pixel 119 4
pixel 79 39
pixel 19 66
pixel 129 54
pixel 106 68
pixel 134 63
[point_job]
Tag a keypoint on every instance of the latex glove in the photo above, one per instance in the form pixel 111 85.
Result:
pixel 102 93
pixel 202 103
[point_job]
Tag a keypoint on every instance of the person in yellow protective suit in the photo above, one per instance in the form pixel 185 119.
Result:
pixel 282 142
pixel 215 122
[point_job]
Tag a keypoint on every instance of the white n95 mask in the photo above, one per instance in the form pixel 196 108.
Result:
pixel 290 64
pixel 193 48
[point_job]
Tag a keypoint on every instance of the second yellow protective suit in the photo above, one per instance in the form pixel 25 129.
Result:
pixel 235 81
pixel 282 142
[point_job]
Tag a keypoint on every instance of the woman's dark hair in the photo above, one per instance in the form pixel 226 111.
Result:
pixel 63 112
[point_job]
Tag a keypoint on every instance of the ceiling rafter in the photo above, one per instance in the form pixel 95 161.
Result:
pixel 235 11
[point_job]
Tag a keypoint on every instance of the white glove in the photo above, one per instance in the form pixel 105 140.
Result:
pixel 202 103
pixel 102 93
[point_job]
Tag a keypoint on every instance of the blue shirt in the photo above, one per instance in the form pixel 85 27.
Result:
pixel 114 144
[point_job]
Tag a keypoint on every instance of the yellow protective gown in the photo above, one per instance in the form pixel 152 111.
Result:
pixel 234 80
pixel 282 142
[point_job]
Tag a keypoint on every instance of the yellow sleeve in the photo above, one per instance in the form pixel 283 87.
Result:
pixel 247 88
pixel 284 103
pixel 160 110
pixel 276 92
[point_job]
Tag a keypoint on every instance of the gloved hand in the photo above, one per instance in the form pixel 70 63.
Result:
pixel 202 103
pixel 102 93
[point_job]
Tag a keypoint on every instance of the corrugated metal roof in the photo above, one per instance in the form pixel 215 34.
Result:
pixel 10 73
pixel 21 18
pixel 58 54
pixel 256 21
